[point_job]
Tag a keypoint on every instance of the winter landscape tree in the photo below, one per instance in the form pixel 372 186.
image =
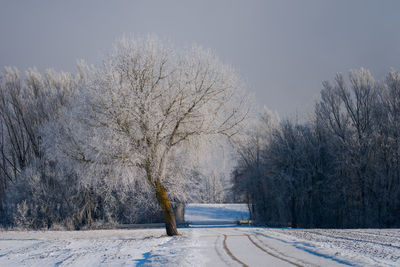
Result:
pixel 151 105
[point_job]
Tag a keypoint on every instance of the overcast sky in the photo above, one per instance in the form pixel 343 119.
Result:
pixel 282 49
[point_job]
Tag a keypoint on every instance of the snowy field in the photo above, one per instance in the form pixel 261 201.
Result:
pixel 203 245
pixel 216 213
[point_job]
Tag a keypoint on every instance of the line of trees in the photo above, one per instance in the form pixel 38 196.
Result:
pixel 339 169
pixel 117 143
pixel 38 188
pixel 126 141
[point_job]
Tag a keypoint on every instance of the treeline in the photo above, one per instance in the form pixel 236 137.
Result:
pixel 339 169
pixel 38 189
pixel 46 179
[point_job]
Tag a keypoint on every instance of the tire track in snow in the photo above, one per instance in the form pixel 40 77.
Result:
pixel 279 255
pixel 218 249
pixel 311 251
pixel 219 253
pixel 272 254
pixel 230 253
pixel 306 263
pixel 234 232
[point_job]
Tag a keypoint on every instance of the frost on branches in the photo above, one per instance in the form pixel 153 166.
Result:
pixel 144 114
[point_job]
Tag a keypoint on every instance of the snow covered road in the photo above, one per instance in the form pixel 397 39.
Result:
pixel 202 246
pixel 244 246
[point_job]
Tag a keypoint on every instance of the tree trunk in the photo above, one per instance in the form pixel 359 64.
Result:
pixel 180 213
pixel 168 212
pixel 293 212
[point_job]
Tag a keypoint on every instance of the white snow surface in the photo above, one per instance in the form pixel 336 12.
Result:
pixel 208 243
pixel 202 246
pixel 216 213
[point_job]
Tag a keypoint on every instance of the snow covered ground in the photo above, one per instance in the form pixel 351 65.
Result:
pixel 216 213
pixel 203 245
pixel 90 248
pixel 374 247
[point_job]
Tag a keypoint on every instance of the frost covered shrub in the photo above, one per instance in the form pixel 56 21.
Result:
pixel 21 219
pixel 47 196
pixel 26 105
pixel 47 192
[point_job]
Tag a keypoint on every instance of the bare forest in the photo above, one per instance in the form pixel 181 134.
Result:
pixel 340 169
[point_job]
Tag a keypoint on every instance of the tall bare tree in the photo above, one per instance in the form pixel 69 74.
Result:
pixel 151 104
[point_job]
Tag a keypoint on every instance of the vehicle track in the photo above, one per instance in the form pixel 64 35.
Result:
pixel 306 263
pixel 275 252
pixel 230 253
pixel 218 252
pixel 272 254
pixel 275 255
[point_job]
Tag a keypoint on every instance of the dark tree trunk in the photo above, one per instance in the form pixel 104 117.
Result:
pixel 293 212
pixel 168 212
pixel 180 212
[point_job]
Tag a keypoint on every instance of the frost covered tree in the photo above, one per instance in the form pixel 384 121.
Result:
pixel 145 112
pixel 250 144
pixel 26 104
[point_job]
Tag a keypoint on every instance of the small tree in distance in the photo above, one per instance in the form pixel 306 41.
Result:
pixel 148 107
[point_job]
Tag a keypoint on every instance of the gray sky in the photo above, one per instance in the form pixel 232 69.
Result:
pixel 283 49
